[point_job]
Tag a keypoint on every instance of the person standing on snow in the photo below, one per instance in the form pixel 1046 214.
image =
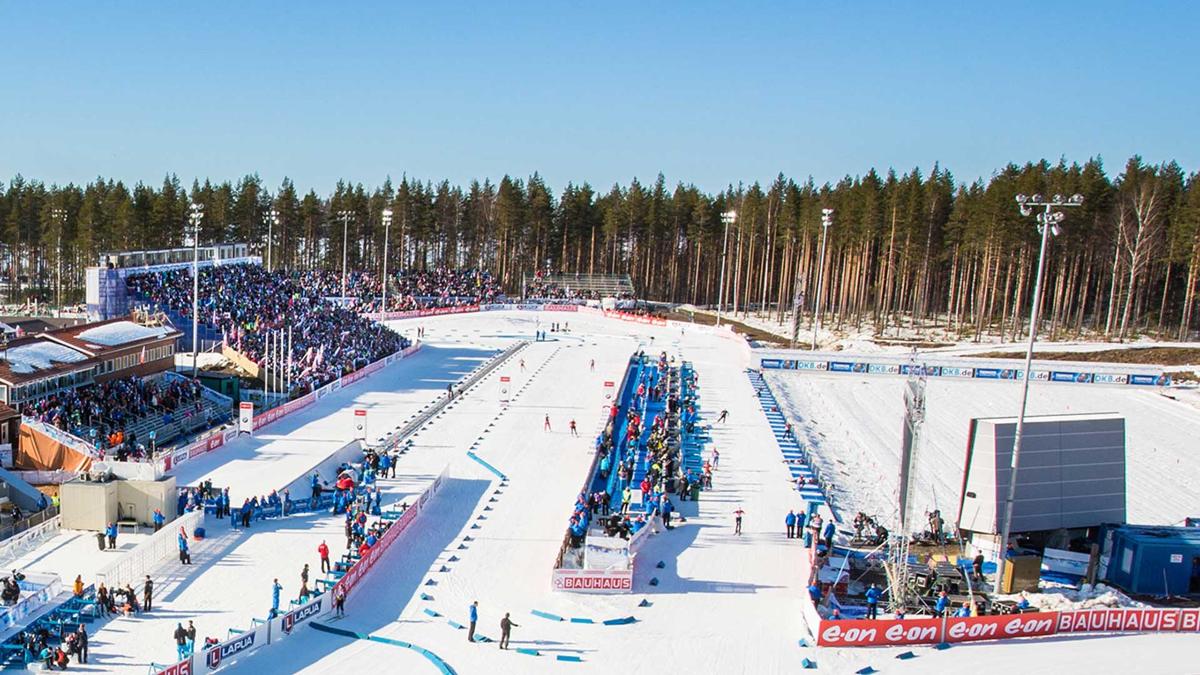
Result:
pixel 737 521
pixel 790 521
pixel 323 551
pixel 506 626
pixel 147 593
pixel 339 601
pixel 111 533
pixel 873 602
pixel 276 588
pixel 474 616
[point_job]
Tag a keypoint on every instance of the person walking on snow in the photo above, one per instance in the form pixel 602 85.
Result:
pixel 546 424
pixel 180 641
pixel 737 521
pixel 147 593
pixel 506 626
pixel 722 418
pixel 593 365
pixel 574 432
pixel 790 521
pixel 323 551
pixel 111 533
pixel 474 616
pixel 522 365
pixel 339 601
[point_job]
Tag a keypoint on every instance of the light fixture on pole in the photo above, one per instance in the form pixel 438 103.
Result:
pixel 272 221
pixel 1049 215
pixel 826 221
pixel 729 218
pixel 195 216
pixel 387 224
pixel 345 216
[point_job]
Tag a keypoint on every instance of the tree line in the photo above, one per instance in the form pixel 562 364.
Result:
pixel 905 250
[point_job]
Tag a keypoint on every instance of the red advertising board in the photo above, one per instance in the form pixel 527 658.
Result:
pixel 184 667
pixel 893 632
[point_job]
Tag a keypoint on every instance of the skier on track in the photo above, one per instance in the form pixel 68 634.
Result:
pixel 522 365
pixel 546 424
pixel 722 418
pixel 574 432
pixel 593 365
pixel 737 521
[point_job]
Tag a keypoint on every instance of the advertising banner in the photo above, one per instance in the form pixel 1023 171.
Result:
pixel 593 581
pixel 610 390
pixel 505 388
pixel 223 653
pixel 285 624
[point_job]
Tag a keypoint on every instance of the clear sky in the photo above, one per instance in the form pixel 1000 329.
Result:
pixel 705 92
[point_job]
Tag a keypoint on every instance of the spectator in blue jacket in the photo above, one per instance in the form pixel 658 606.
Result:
pixel 159 519
pixel 828 535
pixel 800 524
pixel 942 604
pixel 873 602
pixel 111 533
pixel 790 521
pixel 814 593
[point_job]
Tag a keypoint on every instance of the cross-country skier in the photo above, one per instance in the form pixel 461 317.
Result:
pixel 574 432
pixel 546 424
pixel 737 520
pixel 724 415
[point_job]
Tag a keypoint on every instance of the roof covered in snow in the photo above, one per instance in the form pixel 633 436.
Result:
pixel 40 355
pixel 119 333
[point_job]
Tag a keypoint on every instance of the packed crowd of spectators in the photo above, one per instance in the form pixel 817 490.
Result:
pixel 246 302
pixel 408 290
pixel 102 413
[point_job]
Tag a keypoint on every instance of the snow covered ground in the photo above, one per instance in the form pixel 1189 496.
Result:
pixel 855 424
pixel 723 604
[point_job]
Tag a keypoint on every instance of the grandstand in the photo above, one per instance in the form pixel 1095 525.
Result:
pixel 578 286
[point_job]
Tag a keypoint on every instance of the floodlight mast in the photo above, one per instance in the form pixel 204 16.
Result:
pixel 1048 218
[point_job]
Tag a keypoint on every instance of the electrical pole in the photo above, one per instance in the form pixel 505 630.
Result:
pixel 197 214
pixel 728 217
pixel 826 221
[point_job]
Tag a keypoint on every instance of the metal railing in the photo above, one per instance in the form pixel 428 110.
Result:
pixel 30 538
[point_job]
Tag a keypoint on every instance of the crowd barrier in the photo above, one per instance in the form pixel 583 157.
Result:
pixel 43 589
pixel 263 633
pixel 19 544
pixel 133 566
pixel 961 367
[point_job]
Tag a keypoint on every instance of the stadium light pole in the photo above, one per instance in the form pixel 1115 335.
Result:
pixel 345 216
pixel 1048 218
pixel 826 221
pixel 729 218
pixel 272 221
pixel 387 224
pixel 196 215
pixel 60 218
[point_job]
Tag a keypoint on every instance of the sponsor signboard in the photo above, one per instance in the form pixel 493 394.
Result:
pixel 505 388
pixel 610 390
pixel 593 581
pixel 246 417
pixel 360 423
pixel 222 653
pixel 841 366
pixel 884 368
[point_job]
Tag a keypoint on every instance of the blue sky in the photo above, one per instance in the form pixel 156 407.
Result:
pixel 707 93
